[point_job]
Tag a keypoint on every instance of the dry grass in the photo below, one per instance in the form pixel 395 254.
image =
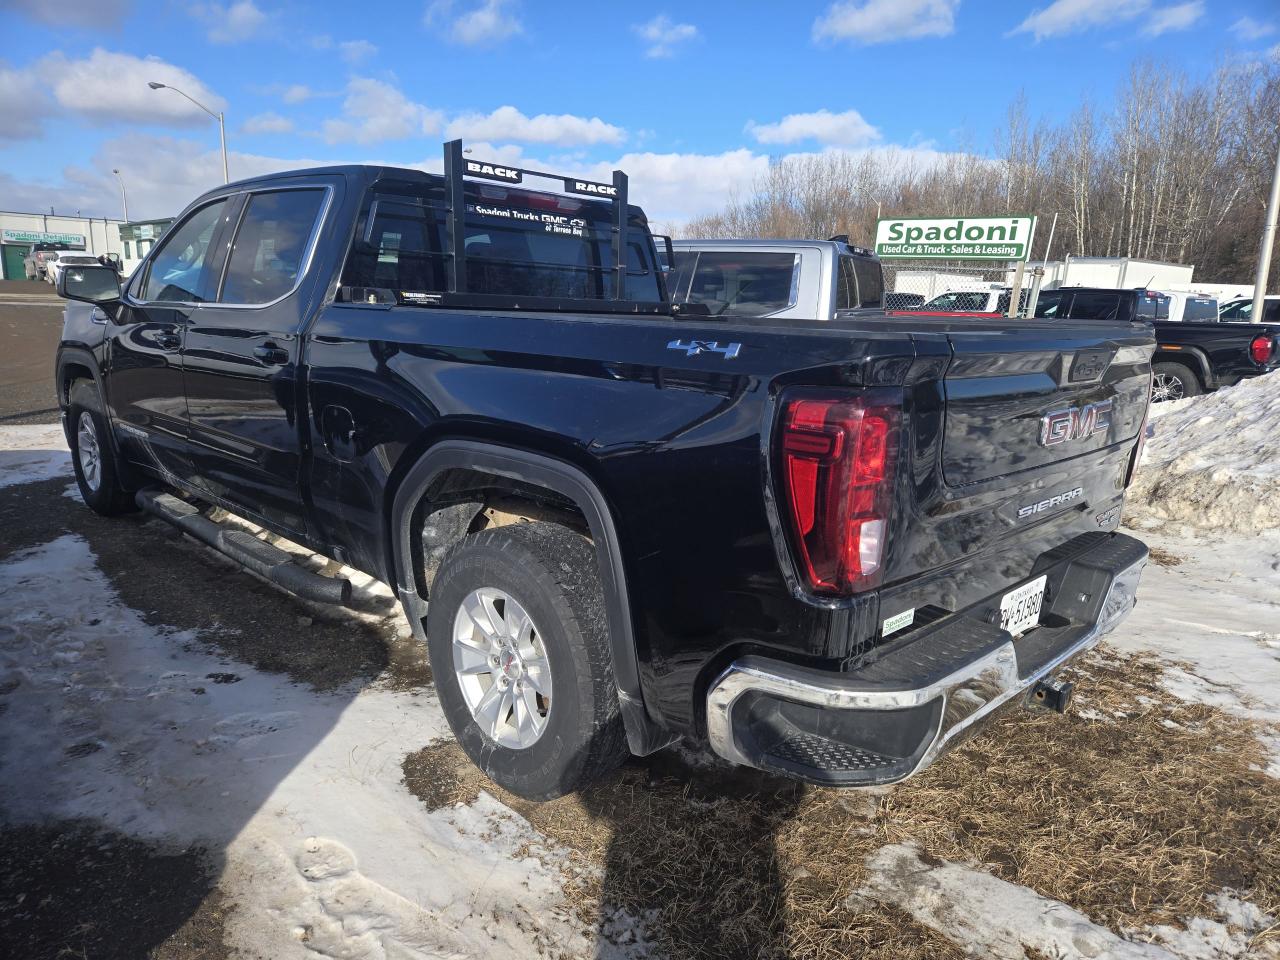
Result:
pixel 1163 558
pixel 1127 819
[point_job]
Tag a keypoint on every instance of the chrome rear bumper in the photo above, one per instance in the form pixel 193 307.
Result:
pixel 891 719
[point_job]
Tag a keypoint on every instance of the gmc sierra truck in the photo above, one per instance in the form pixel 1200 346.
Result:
pixel 828 548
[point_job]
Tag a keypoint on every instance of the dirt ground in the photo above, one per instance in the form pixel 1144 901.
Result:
pixel 30 324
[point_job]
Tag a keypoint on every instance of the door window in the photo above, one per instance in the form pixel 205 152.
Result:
pixel 267 255
pixel 178 272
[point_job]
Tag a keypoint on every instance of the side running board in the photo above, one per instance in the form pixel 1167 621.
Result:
pixel 247 550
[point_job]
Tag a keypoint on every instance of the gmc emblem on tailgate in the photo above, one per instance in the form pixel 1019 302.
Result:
pixel 1074 423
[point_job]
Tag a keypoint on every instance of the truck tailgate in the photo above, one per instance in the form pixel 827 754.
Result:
pixel 1022 396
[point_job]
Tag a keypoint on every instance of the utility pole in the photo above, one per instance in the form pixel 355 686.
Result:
pixel 222 126
pixel 124 197
pixel 1265 247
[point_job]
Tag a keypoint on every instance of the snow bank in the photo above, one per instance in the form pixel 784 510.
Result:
pixel 1214 461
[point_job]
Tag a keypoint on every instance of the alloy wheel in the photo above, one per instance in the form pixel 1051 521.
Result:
pixel 87 451
pixel 501 664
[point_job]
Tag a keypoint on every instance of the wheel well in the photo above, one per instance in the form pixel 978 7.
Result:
pixel 462 501
pixel 1190 361
pixel 70 373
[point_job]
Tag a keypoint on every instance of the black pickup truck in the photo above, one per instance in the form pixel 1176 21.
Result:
pixel 1192 357
pixel 827 549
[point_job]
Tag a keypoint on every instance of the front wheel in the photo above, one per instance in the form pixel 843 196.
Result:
pixel 1173 381
pixel 519 647
pixel 92 456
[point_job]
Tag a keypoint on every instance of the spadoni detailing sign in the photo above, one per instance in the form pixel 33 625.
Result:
pixel 954 238
pixel 39 236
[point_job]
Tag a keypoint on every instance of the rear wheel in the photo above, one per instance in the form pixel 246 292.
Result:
pixel 1173 381
pixel 519 647
pixel 92 457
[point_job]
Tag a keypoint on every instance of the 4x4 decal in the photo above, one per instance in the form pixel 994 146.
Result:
pixel 695 347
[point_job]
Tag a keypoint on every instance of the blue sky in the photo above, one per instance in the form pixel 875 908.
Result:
pixel 692 99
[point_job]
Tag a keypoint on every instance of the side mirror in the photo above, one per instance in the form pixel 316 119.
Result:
pixel 94 284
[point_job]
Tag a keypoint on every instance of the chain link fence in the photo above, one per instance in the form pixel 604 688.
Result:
pixel 948 285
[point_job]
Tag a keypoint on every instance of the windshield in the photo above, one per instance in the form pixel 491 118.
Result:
pixel 744 284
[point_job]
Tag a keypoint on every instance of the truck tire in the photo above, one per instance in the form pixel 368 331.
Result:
pixel 519 647
pixel 92 456
pixel 1173 381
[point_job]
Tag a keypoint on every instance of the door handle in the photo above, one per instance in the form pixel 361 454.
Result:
pixel 168 341
pixel 271 353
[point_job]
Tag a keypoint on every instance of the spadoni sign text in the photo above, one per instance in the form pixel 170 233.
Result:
pixel 954 238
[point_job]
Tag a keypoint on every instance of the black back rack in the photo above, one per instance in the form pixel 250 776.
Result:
pixel 458 165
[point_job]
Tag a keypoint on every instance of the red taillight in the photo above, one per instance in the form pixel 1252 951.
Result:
pixel 837 459
pixel 1261 348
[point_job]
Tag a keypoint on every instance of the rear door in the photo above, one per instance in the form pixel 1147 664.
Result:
pixel 241 357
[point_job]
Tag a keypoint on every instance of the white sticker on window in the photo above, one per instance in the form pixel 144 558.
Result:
pixel 898 622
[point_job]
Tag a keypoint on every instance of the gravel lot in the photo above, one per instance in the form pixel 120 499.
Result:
pixel 194 765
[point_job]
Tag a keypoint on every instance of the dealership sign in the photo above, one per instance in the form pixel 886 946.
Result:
pixel 39 236
pixel 954 238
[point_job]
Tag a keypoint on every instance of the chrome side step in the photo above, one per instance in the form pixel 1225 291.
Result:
pixel 245 549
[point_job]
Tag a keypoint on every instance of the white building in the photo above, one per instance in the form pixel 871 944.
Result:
pixel 96 235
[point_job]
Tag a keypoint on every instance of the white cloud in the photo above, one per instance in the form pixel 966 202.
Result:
pixel 1247 28
pixel 23 104
pixel 268 123
pixel 356 51
pixel 1072 16
pixel 297 93
pixel 352 51
pixel 880 21
pixel 85 14
pixel 108 86
pixel 488 23
pixel 230 23
pixel 508 123
pixel 1177 17
pixel 847 129
pixel 662 35
pixel 375 111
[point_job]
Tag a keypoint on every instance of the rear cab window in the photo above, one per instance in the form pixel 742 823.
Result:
pixel 517 243
pixel 1201 309
pixel 737 283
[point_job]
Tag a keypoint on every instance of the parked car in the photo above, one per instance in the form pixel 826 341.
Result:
pixel 994 300
pixel 36 263
pixel 1241 311
pixel 782 279
pixel 53 268
pixel 903 301
pixel 614 520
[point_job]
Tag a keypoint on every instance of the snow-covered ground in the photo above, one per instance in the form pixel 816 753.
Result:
pixel 157 733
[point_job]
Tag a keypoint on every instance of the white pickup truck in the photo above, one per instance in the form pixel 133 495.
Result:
pixel 783 279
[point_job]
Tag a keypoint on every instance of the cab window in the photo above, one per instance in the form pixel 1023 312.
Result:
pixel 178 272
pixel 270 245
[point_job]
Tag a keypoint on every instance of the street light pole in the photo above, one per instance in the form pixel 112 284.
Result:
pixel 124 197
pixel 1264 248
pixel 222 126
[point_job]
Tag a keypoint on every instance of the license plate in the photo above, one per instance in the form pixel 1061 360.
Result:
pixel 1020 609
